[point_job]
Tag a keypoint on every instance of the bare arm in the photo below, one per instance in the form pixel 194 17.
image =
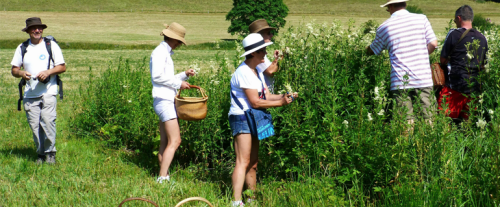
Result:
pixel 369 51
pixel 273 68
pixel 53 71
pixel 255 102
pixel 443 61
pixel 432 46
pixel 18 73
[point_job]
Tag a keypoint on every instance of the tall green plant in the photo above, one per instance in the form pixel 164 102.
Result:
pixel 244 12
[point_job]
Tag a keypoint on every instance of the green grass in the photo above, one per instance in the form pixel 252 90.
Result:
pixel 365 8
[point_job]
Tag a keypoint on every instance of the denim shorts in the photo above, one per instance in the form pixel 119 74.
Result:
pixel 239 124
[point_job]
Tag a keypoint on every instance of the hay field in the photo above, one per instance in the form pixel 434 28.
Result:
pixel 351 8
pixel 145 28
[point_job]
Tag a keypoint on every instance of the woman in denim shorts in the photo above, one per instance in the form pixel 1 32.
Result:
pixel 249 87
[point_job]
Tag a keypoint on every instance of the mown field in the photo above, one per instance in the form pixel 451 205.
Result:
pixel 316 159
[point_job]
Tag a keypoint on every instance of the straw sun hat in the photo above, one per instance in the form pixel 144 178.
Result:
pixel 174 31
pixel 392 2
pixel 253 42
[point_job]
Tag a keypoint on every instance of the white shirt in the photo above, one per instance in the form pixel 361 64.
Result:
pixel 261 68
pixel 406 36
pixel 161 66
pixel 36 60
pixel 244 78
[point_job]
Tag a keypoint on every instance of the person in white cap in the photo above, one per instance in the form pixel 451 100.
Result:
pixel 248 86
pixel 165 86
pixel 410 40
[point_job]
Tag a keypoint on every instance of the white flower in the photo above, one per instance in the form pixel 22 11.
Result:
pixel 345 122
pixel 481 123
pixel 130 101
pixel 491 112
pixel 125 86
pixel 381 112
pixel 370 117
pixel 377 95
pixel 470 56
pixel 305 58
pixel 288 88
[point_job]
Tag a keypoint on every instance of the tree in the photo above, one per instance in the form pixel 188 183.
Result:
pixel 244 12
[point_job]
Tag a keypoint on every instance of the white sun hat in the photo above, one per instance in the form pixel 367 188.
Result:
pixel 253 42
pixel 392 2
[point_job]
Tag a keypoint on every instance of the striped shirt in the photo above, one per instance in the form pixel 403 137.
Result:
pixel 406 36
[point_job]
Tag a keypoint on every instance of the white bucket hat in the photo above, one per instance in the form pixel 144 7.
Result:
pixel 392 2
pixel 253 42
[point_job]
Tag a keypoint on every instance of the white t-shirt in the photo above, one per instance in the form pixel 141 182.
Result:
pixel 35 61
pixel 261 68
pixel 244 78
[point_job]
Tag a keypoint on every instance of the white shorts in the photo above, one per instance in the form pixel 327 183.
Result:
pixel 165 109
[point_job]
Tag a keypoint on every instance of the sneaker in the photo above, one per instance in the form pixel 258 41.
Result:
pixel 161 179
pixel 237 204
pixel 51 158
pixel 40 159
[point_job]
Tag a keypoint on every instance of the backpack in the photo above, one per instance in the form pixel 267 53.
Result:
pixel 22 83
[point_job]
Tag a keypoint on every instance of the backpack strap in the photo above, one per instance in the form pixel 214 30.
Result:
pixel 48 45
pixel 22 83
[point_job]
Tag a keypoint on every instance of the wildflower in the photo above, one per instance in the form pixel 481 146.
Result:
pixel 381 112
pixel 481 123
pixel 491 112
pixel 377 95
pixel 125 86
pixel 305 58
pixel 481 99
pixel 470 56
pixel 370 117
pixel 130 101
pixel 346 123
pixel 288 88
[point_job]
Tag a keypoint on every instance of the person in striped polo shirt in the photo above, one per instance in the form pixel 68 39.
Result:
pixel 409 39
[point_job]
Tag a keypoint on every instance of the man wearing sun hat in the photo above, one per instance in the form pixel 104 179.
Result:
pixel 40 70
pixel 249 90
pixel 165 86
pixel 268 68
pixel 409 39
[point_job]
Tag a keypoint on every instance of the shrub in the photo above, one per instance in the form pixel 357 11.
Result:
pixel 244 12
pixel 414 9
pixel 482 23
pixel 342 126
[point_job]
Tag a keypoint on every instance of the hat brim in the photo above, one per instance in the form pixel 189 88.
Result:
pixel 26 28
pixel 393 3
pixel 172 35
pixel 255 49
pixel 263 28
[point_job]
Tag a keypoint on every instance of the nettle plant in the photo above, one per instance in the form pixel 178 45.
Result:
pixel 344 125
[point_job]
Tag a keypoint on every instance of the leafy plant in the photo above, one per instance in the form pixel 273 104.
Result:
pixel 244 12
pixel 414 9
pixel 482 23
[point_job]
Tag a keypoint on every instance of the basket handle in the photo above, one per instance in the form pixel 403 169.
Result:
pixel 137 198
pixel 202 91
pixel 194 199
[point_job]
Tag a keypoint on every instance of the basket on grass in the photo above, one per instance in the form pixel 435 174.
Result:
pixel 191 108
pixel 178 205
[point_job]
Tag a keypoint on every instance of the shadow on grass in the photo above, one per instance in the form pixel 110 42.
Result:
pixel 26 152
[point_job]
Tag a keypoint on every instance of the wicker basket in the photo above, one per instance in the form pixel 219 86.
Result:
pixel 191 108
pixel 178 205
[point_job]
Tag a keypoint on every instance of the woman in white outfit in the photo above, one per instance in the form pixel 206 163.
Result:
pixel 165 86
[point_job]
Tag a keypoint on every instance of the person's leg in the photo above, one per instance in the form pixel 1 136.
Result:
pixel 33 110
pixel 251 176
pixel 243 150
pixel 404 102
pixel 163 141
pixel 173 141
pixel 426 99
pixel 48 125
